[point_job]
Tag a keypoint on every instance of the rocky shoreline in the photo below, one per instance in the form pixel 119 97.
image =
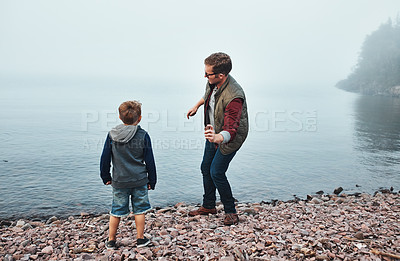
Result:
pixel 322 227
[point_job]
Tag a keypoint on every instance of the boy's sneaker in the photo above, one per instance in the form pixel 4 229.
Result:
pixel 111 244
pixel 142 242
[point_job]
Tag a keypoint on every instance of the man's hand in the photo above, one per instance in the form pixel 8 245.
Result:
pixel 191 112
pixel 108 183
pixel 210 135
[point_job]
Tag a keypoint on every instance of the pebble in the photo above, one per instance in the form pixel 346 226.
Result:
pixel 322 257
pixel 48 250
pixel 51 220
pixel 324 227
pixel 20 223
pixel 359 235
pixel 316 201
pixel 26 226
pixel 338 190
pixel 339 200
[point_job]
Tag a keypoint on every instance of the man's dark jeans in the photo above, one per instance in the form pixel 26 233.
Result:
pixel 213 168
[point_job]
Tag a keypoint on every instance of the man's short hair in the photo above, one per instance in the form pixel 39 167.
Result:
pixel 221 63
pixel 130 111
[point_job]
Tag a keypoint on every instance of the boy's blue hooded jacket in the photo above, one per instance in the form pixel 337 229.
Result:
pixel 128 147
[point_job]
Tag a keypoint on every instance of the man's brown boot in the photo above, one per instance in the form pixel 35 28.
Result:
pixel 203 211
pixel 231 219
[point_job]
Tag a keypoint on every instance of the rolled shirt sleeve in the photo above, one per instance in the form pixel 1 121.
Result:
pixel 226 135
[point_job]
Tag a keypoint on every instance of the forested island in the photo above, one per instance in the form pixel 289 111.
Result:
pixel 377 71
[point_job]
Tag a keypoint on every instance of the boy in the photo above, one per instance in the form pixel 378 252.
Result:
pixel 128 146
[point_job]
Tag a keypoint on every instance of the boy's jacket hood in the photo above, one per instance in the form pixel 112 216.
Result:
pixel 123 133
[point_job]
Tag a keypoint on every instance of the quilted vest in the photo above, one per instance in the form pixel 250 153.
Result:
pixel 229 90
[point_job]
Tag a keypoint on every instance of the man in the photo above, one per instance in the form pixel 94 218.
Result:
pixel 226 128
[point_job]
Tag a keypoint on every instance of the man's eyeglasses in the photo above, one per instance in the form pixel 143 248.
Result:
pixel 208 75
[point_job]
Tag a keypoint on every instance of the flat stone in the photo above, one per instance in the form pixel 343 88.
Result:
pixel 338 190
pixel 51 220
pixel 316 201
pixel 20 223
pixel 48 250
pixel 359 235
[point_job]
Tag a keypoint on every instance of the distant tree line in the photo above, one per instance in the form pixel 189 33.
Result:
pixel 378 68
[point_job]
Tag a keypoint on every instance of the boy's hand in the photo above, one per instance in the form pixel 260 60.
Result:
pixel 108 182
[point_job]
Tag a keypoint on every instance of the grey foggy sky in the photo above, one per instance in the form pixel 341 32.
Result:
pixel 273 42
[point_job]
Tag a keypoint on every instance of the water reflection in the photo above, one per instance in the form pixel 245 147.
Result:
pixel 377 130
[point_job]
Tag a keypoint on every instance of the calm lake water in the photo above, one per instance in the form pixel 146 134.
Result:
pixel 302 139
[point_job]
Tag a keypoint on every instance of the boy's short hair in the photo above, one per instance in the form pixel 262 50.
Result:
pixel 221 63
pixel 130 111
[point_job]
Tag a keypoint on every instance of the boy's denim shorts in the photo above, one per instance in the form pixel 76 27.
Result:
pixel 139 200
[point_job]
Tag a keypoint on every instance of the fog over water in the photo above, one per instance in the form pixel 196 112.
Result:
pixel 270 42
pixel 65 66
